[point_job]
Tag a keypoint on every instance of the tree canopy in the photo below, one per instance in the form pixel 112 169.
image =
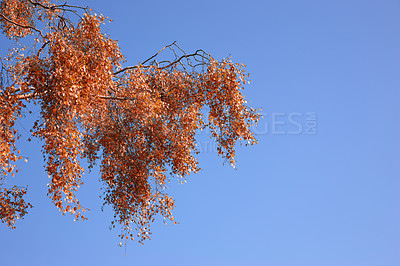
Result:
pixel 138 122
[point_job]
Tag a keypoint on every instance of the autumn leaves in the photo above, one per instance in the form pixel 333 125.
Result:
pixel 139 124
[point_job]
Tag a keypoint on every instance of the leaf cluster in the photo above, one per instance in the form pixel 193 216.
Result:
pixel 139 122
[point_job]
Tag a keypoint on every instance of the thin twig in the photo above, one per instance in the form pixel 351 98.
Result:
pixel 132 67
pixel 199 53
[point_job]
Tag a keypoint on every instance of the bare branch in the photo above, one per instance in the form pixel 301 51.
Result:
pixel 133 67
pixel 159 52
pixel 40 4
pixel 185 56
pixel 62 7
pixel 199 53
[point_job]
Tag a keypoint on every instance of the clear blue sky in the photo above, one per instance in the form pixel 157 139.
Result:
pixel 316 190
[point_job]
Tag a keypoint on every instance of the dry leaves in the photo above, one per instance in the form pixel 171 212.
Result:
pixel 139 122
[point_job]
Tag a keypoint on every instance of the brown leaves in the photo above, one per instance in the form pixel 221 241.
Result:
pixel 153 129
pixel 12 205
pixel 230 118
pixel 10 109
pixel 77 69
pixel 139 122
pixel 16 18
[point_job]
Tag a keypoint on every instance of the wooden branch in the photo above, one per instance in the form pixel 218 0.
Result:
pixel 20 25
pixel 25 96
pixel 158 52
pixel 133 67
pixel 114 98
pixel 33 94
pixel 182 57
pixel 55 6
pixel 39 4
pixel 197 53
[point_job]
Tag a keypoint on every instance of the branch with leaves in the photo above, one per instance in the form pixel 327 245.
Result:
pixel 138 122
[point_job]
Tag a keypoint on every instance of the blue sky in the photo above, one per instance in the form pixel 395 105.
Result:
pixel 321 187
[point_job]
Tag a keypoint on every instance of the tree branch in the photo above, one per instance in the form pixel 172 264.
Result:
pixel 55 6
pixel 20 25
pixel 199 53
pixel 25 96
pixel 114 98
pixel 133 67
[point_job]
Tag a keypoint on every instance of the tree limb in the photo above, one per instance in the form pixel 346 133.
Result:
pixel 199 53
pixel 20 25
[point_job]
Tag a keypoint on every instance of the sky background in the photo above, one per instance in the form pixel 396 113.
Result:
pixel 322 187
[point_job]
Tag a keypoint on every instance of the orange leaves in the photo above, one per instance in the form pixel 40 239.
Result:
pixel 140 122
pixel 14 12
pixel 68 81
pixel 151 126
pixel 230 119
pixel 10 110
pixel 12 205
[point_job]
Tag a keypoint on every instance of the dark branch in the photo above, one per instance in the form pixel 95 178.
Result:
pixel 114 98
pixel 133 67
pixel 199 53
pixel 20 25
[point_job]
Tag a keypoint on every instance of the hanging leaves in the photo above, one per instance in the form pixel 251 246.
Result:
pixel 138 122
